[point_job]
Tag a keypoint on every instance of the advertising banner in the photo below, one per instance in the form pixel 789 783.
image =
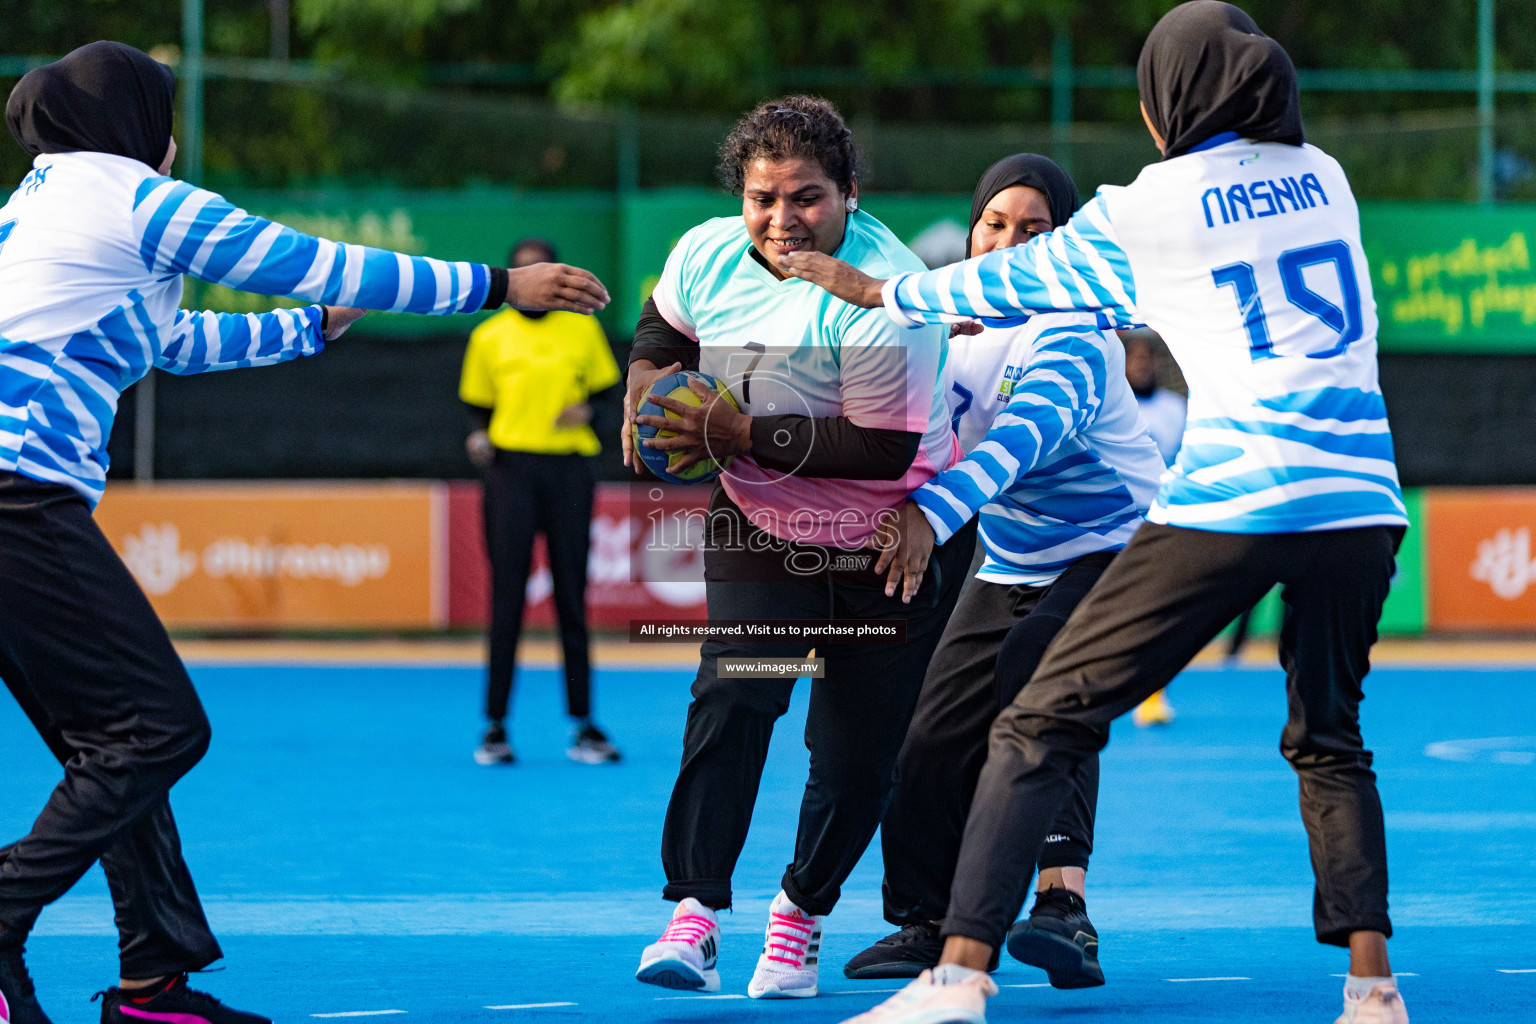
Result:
pixel 411 556
pixel 284 555
pixel 1452 277
pixel 1482 572
pixel 628 576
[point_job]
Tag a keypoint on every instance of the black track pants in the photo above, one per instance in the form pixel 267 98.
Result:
pixel 857 719
pixel 526 494
pixel 1162 600
pixel 990 649
pixel 88 660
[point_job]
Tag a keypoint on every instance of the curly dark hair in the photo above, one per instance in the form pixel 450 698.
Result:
pixel 804 127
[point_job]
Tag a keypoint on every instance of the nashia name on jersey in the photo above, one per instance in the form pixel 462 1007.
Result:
pixel 1263 198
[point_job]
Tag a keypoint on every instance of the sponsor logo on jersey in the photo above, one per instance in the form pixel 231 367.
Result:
pixel 1011 377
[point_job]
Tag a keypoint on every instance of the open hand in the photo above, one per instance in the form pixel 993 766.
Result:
pixel 714 429
pixel 905 543
pixel 339 318
pixel 845 281
pixel 642 374
pixel 555 286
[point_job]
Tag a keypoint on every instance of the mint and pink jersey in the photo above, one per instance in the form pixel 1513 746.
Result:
pixel 786 347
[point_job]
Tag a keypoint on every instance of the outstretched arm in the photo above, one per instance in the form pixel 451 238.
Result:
pixel 188 230
pixel 1078 267
pixel 1060 393
pixel 204 341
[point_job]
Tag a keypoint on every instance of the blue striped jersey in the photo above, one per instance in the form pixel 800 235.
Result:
pixel 1058 461
pixel 92 252
pixel 1246 258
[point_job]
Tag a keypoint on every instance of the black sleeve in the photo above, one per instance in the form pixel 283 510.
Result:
pixel 832 446
pixel 660 342
pixel 496 294
pixel 479 417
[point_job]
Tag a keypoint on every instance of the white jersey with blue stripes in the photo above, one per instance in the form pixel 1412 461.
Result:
pixel 1246 258
pixel 1058 462
pixel 92 249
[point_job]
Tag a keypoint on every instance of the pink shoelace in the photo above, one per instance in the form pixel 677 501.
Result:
pixel 689 928
pixel 789 934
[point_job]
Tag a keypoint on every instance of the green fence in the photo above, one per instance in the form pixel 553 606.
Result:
pixel 1453 278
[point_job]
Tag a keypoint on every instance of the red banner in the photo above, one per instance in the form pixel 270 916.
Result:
pixel 626 577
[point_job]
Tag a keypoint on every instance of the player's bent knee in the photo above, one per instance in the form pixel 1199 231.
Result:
pixel 724 699
pixel 184 748
pixel 1022 726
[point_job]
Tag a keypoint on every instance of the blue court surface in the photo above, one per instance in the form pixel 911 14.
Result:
pixel 356 862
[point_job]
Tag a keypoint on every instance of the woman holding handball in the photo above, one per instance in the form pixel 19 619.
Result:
pixel 1242 249
pixel 841 417
pixel 93 246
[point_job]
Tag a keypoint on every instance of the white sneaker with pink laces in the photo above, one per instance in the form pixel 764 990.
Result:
pixel 787 968
pixel 1381 1005
pixel 942 995
pixel 684 956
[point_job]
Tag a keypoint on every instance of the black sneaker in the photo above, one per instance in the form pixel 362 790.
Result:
pixel 1059 938
pixel 18 999
pixel 494 748
pixel 903 954
pixel 173 1001
pixel 591 747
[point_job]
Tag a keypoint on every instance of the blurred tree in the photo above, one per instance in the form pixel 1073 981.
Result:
pixel 887 60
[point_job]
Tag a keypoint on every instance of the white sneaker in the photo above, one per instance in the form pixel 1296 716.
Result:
pixel 925 1001
pixel 1381 1005
pixel 791 949
pixel 684 956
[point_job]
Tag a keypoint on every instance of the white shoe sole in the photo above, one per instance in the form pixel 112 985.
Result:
pixel 670 972
pixel 774 992
pixel 487 760
pixel 589 757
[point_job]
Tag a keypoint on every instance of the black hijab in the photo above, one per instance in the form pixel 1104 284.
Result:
pixel 1207 69
pixel 1025 169
pixel 102 98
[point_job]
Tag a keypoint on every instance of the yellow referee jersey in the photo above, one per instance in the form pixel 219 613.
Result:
pixel 527 370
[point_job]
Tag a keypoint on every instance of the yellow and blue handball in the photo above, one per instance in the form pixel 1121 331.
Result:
pixel 661 462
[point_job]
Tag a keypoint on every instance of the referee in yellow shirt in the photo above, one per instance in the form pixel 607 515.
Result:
pixel 528 380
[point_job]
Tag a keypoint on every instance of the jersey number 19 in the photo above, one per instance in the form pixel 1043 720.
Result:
pixel 1347 322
